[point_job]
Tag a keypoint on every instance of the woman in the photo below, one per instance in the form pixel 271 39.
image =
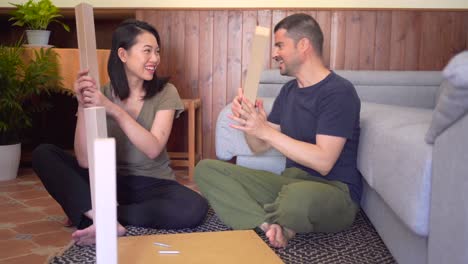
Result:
pixel 140 110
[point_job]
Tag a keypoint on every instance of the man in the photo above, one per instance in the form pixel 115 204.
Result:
pixel 315 124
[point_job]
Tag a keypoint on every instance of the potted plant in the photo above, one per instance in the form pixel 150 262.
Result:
pixel 20 85
pixel 36 16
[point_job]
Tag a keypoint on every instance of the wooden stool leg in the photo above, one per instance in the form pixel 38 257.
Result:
pixel 191 139
pixel 199 135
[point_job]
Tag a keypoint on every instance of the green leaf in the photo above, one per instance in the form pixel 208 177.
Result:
pixel 21 82
pixel 36 15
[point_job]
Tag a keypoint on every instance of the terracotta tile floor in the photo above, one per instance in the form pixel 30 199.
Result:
pixel 32 223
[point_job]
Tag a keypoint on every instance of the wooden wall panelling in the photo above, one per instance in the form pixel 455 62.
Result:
pixel 234 62
pixel 177 52
pixel 164 18
pixel 324 20
pixel 367 40
pixel 264 20
pixel 191 69
pixel 192 43
pixel 430 53
pixel 383 35
pixel 337 39
pixel 405 42
pixel 442 38
pixel 312 13
pixel 466 29
pixel 220 51
pixel 458 34
pixel 249 22
pixel 352 37
pixel 276 17
pixel 205 82
pixel 177 56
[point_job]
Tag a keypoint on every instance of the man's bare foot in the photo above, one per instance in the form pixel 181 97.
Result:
pixel 87 236
pixel 279 236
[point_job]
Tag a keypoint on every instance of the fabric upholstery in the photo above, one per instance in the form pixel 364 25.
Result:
pixel 395 160
pixel 230 142
pixel 453 100
pixel 457 69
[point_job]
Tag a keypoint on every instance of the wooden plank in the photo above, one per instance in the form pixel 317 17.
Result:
pixel 290 12
pixel 234 61
pixel 457 38
pixel 447 41
pixel 465 15
pixel 324 20
pixel 178 140
pixel 249 23
pixel 191 139
pixel 192 33
pixel 264 20
pixel 177 53
pixel 105 218
pixel 312 13
pixel 405 40
pixel 95 117
pixel 205 82
pixel 166 48
pixel 179 163
pixel 382 40
pixel 353 33
pixel 413 41
pixel 337 40
pixel 432 36
pixel 397 40
pixel 367 40
pixel 276 17
pixel 220 51
pixel 255 68
pixel 87 40
pixel 178 155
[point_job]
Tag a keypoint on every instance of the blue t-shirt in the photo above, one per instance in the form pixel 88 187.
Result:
pixel 330 107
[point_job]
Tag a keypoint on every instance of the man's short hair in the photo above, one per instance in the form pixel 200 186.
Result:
pixel 300 26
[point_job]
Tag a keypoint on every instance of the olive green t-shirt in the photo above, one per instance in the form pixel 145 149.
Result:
pixel 130 160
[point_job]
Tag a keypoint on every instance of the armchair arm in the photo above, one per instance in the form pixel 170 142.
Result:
pixel 448 233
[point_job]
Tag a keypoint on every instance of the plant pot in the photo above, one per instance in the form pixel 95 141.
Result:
pixel 9 161
pixel 38 37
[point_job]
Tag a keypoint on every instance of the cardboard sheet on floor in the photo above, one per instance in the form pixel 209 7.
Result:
pixel 226 247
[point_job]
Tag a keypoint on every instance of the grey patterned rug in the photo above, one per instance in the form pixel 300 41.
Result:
pixel 358 244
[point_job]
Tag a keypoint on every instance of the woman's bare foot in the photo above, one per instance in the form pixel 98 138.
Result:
pixel 87 236
pixel 279 236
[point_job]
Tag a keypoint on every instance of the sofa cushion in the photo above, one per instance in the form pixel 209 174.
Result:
pixel 405 88
pixel 453 100
pixel 230 142
pixel 395 160
pixel 456 69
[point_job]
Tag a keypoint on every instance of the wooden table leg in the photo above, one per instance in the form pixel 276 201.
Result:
pixel 191 139
pixel 199 150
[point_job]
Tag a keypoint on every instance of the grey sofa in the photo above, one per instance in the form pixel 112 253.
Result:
pixel 415 194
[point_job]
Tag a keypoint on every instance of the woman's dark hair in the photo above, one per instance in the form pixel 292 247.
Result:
pixel 125 37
